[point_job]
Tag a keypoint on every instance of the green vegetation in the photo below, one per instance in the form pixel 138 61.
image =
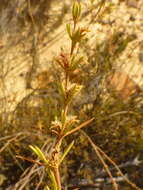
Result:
pixel 68 131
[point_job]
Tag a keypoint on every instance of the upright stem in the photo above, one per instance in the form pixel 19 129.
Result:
pixel 73 44
pixel 56 159
pixel 66 89
pixel 56 152
pixel 66 80
pixel 57 177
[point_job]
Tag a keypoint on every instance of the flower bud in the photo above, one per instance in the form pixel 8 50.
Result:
pixel 76 10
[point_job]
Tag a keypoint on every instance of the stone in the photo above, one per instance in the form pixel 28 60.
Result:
pixel 122 84
pixel 132 3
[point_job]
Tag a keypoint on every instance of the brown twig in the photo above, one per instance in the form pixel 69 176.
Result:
pixel 79 127
pixel 102 160
pixel 30 171
pixel 9 141
pixel 96 148
pixel 99 10
pixel 30 160
pixel 118 169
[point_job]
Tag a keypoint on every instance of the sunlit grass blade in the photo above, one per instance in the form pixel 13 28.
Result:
pixel 47 188
pixel 68 27
pixel 53 180
pixel 39 153
pixel 66 151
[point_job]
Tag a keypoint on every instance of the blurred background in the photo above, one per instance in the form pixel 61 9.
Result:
pixel 32 34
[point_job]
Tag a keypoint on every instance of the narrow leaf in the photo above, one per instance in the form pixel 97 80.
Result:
pixel 52 178
pixel 39 153
pixel 47 188
pixel 66 151
pixel 68 27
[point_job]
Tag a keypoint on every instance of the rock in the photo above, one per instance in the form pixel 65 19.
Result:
pixel 122 84
pixel 132 3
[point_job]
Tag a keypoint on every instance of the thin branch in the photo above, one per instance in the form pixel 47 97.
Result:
pixel 8 142
pixel 30 160
pixel 99 10
pixel 110 160
pixel 28 174
pixel 102 160
pixel 118 169
pixel 79 127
